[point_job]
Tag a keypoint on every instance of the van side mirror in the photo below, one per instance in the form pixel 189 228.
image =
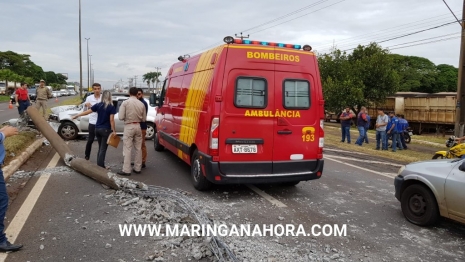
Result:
pixel 152 99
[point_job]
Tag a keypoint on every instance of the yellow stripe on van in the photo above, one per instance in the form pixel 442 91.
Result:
pixel 196 97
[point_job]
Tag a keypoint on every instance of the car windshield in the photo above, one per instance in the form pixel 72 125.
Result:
pixel 32 91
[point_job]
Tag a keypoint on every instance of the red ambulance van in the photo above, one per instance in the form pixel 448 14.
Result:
pixel 244 112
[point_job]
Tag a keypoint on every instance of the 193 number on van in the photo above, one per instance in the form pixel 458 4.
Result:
pixel 308 138
pixel 244 149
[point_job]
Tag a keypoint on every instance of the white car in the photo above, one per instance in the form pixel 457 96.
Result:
pixel 69 129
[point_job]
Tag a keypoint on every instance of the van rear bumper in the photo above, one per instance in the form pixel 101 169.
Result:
pixel 212 170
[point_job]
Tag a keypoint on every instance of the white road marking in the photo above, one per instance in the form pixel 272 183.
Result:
pixel 273 200
pixel 344 151
pixel 390 175
pixel 14 228
pixel 366 161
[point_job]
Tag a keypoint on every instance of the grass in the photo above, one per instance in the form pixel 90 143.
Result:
pixel 4 98
pixel 406 156
pixel 15 145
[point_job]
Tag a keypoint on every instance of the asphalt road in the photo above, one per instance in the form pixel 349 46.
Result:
pixel 76 219
pixel 7 114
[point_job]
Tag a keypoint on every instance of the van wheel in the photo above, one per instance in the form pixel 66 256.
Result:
pixel 150 133
pixel 199 179
pixel 156 142
pixel 419 205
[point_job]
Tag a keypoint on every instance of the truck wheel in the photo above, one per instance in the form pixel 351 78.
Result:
pixel 438 156
pixel 199 179
pixel 68 131
pixel 419 205
pixel 156 142
pixel 150 132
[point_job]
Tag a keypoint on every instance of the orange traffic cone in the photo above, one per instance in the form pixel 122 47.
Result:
pixel 11 105
pixel 56 98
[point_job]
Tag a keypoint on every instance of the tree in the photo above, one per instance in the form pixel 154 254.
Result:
pixel 51 77
pixel 363 78
pixel 156 75
pixel 447 77
pixel 416 74
pixel 151 77
pixel 7 75
pixel 147 77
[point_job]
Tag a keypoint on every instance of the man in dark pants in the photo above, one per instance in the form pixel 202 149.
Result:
pixel 5 245
pixel 143 126
pixel 90 101
pixel 22 98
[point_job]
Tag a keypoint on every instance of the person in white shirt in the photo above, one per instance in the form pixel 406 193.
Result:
pixel 90 101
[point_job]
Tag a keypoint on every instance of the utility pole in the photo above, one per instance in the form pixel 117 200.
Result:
pixel 80 52
pixel 460 108
pixel 242 37
pixel 155 88
pixel 88 71
pixel 135 81
pixel 92 75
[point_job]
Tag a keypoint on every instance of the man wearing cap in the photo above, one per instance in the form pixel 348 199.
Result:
pixel 22 98
pixel 43 94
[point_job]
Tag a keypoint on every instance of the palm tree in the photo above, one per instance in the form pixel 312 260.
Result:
pixel 155 77
pixel 147 78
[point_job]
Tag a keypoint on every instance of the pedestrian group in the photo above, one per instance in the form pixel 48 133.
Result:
pixel 133 111
pixel 388 126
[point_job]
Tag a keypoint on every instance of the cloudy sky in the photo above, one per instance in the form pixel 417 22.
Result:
pixel 129 38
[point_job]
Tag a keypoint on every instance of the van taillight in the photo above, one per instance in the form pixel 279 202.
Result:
pixel 214 135
pixel 321 141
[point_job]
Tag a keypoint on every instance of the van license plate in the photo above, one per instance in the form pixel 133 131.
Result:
pixel 244 149
pixel 410 133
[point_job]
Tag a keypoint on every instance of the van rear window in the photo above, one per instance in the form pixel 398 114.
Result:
pixel 250 92
pixel 296 94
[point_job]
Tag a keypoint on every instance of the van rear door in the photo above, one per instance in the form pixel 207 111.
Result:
pixel 296 126
pixel 246 122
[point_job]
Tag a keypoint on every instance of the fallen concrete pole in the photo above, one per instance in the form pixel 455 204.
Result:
pixel 83 166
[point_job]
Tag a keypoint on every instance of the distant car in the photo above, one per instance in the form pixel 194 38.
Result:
pixel 32 94
pixel 69 129
pixel 430 189
pixel 113 94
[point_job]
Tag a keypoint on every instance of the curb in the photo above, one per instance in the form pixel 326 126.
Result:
pixel 16 163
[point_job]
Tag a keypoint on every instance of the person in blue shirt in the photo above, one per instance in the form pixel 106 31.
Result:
pixel 105 124
pixel 5 245
pixel 393 130
pixel 404 125
pixel 367 126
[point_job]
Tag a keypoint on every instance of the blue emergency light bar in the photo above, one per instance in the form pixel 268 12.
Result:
pixel 230 40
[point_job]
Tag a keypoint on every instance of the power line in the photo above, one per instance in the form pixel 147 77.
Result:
pixel 444 39
pixel 409 34
pixel 297 17
pixel 452 12
pixel 391 30
pixel 421 40
pixel 287 15
pixel 279 18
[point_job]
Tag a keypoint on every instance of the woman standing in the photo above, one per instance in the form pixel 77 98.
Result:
pixel 105 124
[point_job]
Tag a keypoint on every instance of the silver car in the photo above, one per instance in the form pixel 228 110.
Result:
pixel 69 129
pixel 430 189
